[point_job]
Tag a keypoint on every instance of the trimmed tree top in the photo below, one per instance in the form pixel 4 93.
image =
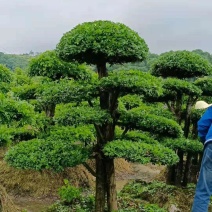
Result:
pixel 181 64
pixel 49 65
pixel 99 42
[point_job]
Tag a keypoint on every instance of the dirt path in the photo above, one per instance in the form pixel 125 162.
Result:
pixel 143 172
pixel 33 204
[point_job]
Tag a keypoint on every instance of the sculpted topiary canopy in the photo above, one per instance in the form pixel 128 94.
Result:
pixel 181 64
pixel 100 42
pixel 49 65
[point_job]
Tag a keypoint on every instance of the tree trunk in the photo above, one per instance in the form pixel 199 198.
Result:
pixel 50 111
pixel 178 108
pixel 187 170
pixel 170 177
pixel 105 171
pixel 100 184
pixel 111 186
pixel 187 118
pixel 179 169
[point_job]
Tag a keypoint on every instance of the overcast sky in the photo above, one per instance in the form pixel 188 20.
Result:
pixel 164 24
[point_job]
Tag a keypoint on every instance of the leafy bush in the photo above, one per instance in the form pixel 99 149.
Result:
pixel 69 193
pixel 19 111
pixel 84 204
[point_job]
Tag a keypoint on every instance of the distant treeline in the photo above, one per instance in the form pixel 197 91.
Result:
pixel 13 61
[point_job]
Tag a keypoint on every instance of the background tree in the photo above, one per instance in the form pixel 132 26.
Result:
pixel 88 122
pixel 179 70
pixel 13 61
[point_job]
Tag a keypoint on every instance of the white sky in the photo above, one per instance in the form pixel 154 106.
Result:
pixel 164 24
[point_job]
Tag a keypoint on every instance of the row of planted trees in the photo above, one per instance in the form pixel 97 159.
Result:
pixel 60 113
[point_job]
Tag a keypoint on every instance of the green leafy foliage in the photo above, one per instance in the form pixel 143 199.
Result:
pixel 132 81
pixel 5 74
pixel 140 152
pixel 49 65
pixel 5 78
pixel 13 61
pixel 181 64
pixel 205 55
pixel 137 136
pixel 46 154
pixel 65 91
pixel 130 101
pixel 85 204
pixel 69 193
pixel 100 42
pixel 141 66
pixel 186 145
pixel 19 111
pixel 13 134
pixel 205 84
pixel 26 92
pixel 66 114
pixel 85 134
pixel 159 193
pixel 196 115
pixel 154 109
pixel 142 120
pixel 181 87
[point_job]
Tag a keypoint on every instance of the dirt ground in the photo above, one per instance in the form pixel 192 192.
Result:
pixel 144 172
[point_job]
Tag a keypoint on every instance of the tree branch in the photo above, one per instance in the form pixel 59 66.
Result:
pixel 89 169
pixel 99 132
pixel 170 107
pixel 125 132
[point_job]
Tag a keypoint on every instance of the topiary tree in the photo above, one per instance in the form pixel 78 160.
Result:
pixel 179 70
pixel 98 43
pixel 90 109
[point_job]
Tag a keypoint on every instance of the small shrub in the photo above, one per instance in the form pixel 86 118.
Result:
pixel 69 193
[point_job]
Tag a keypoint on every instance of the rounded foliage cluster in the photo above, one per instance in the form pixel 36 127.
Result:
pixel 140 152
pixel 183 144
pixel 46 154
pixel 181 64
pixel 100 42
pixel 205 84
pixel 49 65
